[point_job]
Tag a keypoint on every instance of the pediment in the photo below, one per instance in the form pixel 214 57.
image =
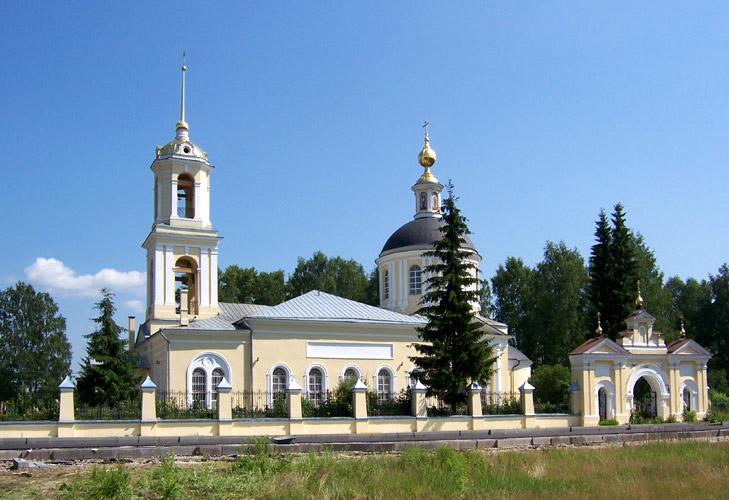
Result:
pixel 600 346
pixel 691 348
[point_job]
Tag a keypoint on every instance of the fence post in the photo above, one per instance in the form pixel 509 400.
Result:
pixel 526 403
pixel 474 399
pixel 419 406
pixel 66 410
pixel 359 400
pixel 149 410
pixel 225 414
pixel 293 406
pixel 574 390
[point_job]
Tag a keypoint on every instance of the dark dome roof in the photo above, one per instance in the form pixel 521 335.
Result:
pixel 419 232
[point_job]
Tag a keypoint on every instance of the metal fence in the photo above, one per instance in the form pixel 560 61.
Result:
pixel 500 403
pixel 244 404
pixel 28 407
pixel 124 410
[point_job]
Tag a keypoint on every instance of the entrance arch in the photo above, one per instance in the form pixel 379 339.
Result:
pixel 656 380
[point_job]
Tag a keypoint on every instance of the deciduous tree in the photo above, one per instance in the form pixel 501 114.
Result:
pixel 248 286
pixel 34 351
pixel 335 275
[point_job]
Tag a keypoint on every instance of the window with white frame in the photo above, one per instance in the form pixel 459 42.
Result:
pixel 279 377
pixel 416 286
pixel 214 381
pixel 350 375
pixel 687 398
pixel 204 374
pixel 386 288
pixel 384 384
pixel 198 386
pixel 315 386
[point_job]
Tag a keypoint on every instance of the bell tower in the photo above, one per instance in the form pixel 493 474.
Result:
pixel 182 246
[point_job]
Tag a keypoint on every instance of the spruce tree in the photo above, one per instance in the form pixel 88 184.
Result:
pixel 613 272
pixel 454 351
pixel 108 375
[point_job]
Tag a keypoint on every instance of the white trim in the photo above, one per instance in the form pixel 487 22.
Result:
pixel 693 389
pixel 348 350
pixel 393 378
pixel 324 381
pixel 214 360
pixel 269 380
pixel 610 403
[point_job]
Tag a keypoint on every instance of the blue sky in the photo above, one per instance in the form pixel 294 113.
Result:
pixel 541 113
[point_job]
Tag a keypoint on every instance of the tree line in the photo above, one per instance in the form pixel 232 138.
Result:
pixel 552 308
pixel 335 275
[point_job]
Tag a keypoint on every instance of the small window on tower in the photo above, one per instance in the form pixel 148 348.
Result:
pixel 423 202
pixel 415 281
pixel 185 196
pixel 386 279
pixel 435 201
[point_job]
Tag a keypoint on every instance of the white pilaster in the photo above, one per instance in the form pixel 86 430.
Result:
pixel 158 198
pixel 173 199
pixel 169 277
pixel 204 276
pixel 198 202
pixel 214 277
pixel 159 273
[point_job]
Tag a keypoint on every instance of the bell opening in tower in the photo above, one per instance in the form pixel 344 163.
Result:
pixel 185 272
pixel 185 196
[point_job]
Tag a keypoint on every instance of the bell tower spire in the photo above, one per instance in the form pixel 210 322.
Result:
pixel 181 128
pixel 182 246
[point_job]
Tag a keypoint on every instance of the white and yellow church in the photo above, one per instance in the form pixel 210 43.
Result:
pixel 190 342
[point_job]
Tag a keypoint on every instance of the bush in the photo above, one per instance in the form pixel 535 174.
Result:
pixel 551 383
pixel 688 415
pixel 717 397
pixel 608 421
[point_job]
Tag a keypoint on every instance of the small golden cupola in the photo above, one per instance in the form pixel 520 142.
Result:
pixel 427 189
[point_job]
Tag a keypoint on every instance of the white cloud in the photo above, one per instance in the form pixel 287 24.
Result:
pixel 53 275
pixel 136 306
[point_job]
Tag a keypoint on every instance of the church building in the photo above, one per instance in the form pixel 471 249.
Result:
pixel 190 343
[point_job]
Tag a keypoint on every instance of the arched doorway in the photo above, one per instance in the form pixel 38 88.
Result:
pixel 647 391
pixel 645 399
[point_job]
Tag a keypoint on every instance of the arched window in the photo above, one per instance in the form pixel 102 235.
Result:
pixel 416 286
pixel 384 384
pixel 279 379
pixel 435 201
pixel 204 374
pixel 386 279
pixel 350 375
pixel 198 387
pixel 186 196
pixel 214 381
pixel 423 202
pixel 315 386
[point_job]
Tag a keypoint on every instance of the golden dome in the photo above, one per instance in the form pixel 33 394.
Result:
pixel 427 156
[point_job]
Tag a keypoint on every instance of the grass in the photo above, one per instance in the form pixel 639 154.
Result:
pixel 652 471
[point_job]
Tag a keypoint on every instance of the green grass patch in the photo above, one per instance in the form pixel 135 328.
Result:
pixel 651 471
